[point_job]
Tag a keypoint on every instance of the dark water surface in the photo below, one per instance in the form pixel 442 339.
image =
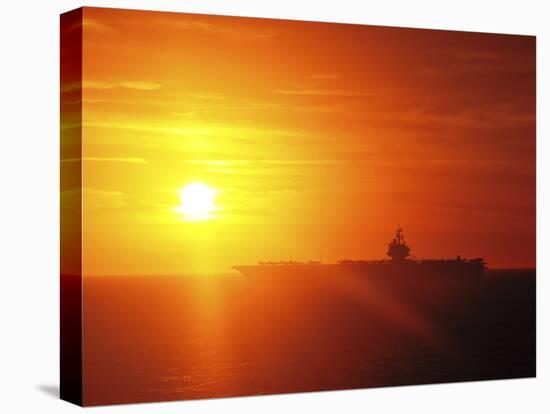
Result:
pixel 160 338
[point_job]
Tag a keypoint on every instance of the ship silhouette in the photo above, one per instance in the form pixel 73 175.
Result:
pixel 400 260
pixel 401 275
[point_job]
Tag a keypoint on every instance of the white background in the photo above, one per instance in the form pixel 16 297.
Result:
pixel 29 223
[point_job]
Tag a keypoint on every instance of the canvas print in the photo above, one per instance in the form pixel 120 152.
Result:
pixel 257 206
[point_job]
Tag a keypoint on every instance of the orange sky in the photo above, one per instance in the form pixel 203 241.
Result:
pixel 318 138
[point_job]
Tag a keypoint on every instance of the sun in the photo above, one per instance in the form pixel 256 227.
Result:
pixel 197 202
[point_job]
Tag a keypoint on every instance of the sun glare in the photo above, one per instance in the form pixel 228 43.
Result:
pixel 197 202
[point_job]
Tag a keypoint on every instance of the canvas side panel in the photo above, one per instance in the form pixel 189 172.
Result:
pixel 71 207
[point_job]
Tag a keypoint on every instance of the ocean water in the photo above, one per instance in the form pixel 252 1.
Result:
pixel 157 338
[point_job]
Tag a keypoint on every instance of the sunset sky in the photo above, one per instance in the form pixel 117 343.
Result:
pixel 315 138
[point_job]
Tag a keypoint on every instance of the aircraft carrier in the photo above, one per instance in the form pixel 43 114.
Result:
pixel 434 281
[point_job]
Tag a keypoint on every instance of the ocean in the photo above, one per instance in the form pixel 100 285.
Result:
pixel 158 338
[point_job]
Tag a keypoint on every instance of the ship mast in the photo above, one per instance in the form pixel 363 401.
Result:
pixel 399 235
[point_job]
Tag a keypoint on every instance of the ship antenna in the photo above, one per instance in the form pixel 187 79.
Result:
pixel 398 234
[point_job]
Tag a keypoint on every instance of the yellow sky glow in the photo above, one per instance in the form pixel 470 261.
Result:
pixel 307 137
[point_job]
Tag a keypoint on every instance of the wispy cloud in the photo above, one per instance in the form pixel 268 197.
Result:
pixel 129 160
pixel 222 29
pixel 206 97
pixel 90 24
pixel 105 200
pixel 324 76
pixel 217 130
pixel 99 85
pixel 145 86
pixel 94 199
pixel 322 92
pixel 453 63
pixel 267 162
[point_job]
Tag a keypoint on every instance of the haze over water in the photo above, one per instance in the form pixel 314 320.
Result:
pixel 167 337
